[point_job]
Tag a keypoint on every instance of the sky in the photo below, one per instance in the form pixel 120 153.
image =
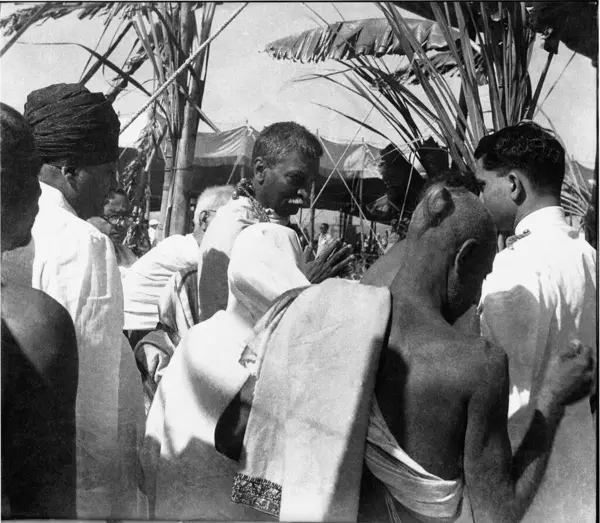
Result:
pixel 245 85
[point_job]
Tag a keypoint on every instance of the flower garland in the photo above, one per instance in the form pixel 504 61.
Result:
pixel 246 189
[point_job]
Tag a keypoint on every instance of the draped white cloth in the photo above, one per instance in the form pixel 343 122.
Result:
pixel 215 252
pixel 302 457
pixel 186 476
pixel 76 265
pixel 541 294
pixel 405 480
pixel 145 280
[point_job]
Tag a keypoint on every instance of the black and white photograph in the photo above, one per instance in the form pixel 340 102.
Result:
pixel 299 261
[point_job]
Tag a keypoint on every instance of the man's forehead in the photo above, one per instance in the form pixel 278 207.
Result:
pixel 118 202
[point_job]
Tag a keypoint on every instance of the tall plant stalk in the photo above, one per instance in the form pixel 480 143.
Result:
pixel 165 36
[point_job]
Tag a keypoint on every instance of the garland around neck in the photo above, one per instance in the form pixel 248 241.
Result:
pixel 245 188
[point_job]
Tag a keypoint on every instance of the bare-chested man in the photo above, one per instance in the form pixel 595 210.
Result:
pixel 442 395
pixel 39 355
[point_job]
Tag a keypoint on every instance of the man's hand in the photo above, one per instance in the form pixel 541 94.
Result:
pixel 569 376
pixel 333 259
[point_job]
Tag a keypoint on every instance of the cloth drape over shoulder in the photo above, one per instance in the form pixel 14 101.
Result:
pixel 186 477
pixel 303 448
pixel 215 252
pixel 76 265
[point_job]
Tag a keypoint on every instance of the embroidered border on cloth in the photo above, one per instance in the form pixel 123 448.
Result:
pixel 258 493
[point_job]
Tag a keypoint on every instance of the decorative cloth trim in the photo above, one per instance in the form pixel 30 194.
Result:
pixel 258 493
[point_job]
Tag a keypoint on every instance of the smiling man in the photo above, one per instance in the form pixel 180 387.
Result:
pixel 540 293
pixel 285 158
pixel 76 135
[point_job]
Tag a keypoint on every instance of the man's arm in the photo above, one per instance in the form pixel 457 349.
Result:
pixel 502 487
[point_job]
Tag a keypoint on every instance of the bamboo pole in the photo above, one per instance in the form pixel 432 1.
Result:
pixel 360 204
pixel 191 118
pixel 162 230
pixel 183 66
pixel 312 212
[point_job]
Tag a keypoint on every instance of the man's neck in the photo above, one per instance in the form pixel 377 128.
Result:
pixel 418 280
pixel 537 204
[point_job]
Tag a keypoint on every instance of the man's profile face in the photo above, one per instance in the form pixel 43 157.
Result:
pixel 286 185
pixel 495 195
pixel 93 185
pixel 323 228
pixel 209 217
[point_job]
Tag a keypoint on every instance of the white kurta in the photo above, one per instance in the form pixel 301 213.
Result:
pixel 215 252
pixel 541 294
pixel 146 278
pixel 76 265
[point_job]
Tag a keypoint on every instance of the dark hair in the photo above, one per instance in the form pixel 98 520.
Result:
pixel 19 161
pixel 527 147
pixel 279 139
pixel 116 192
pixel 454 179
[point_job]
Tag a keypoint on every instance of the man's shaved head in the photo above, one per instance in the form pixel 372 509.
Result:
pixel 452 213
pixel 451 233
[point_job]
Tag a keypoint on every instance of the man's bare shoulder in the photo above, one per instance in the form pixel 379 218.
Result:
pixel 472 360
pixel 484 360
pixel 385 269
pixel 484 354
pixel 37 321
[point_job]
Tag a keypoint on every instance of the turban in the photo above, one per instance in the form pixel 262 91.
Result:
pixel 71 124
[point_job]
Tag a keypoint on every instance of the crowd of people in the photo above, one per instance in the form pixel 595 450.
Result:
pixel 230 374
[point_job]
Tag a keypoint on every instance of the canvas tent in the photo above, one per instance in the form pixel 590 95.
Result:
pixel 349 175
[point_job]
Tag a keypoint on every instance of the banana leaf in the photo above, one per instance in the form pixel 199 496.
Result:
pixel 348 40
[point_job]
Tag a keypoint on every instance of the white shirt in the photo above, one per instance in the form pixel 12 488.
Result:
pixel 76 265
pixel 540 295
pixel 146 278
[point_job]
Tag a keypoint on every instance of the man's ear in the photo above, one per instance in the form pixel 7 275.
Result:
pixel 203 217
pixel 70 175
pixel 517 188
pixel 464 257
pixel 259 170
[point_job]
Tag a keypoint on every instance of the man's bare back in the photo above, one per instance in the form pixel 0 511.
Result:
pixel 440 369
pixel 444 394
pixel 39 384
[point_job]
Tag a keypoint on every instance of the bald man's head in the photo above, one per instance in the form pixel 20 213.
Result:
pixel 456 235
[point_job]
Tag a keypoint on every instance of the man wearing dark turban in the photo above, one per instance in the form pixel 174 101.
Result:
pixel 76 135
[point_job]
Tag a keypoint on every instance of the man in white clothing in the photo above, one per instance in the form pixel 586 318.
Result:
pixel 147 277
pixel 76 134
pixel 324 238
pixel 540 293
pixel 285 158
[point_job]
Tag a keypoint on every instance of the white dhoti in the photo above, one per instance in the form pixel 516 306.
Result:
pixel 422 493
